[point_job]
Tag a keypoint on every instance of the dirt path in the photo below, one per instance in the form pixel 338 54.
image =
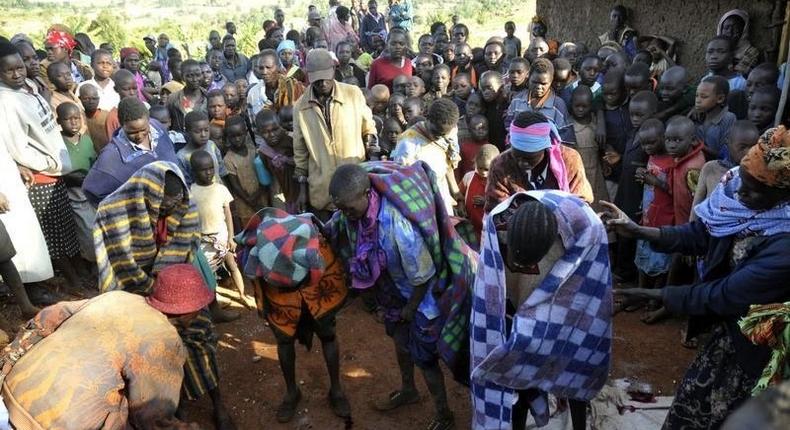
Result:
pixel 253 389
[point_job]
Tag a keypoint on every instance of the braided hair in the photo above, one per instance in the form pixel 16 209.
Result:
pixel 531 232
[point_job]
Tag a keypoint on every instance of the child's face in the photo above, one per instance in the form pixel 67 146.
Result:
pixel 463 55
pixel 639 112
pixel 242 85
pixel 344 54
pixel 423 64
pixel 518 74
pixel 412 110
pixel 198 132
pixel 208 75
pixel 287 118
pixel 462 88
pixel 490 88
pixel 103 66
pixel 426 45
pixel 448 54
pixel 235 136
pixel 613 94
pixel 62 79
pixel 493 53
pixel 441 79
pixel 416 87
pixel 739 143
pixel 203 171
pixel 718 55
pixel 510 30
pixel 758 79
pixel 670 88
pixel 395 105
pixel 217 134
pixel 652 141
pixel 400 84
pixel 126 89
pixel 215 61
pixel 571 53
pixel 762 110
pixel 581 105
pixel 636 83
pixel 539 84
pixel 678 139
pixel 478 128
pixel 707 99
pixel 71 122
pixel 193 76
pixel 474 105
pixel 561 78
pixel 217 109
pixel 89 97
pixel 589 71
pixel 231 96
pixel 287 57
pixel 391 132
pixel 483 165
pixel 271 132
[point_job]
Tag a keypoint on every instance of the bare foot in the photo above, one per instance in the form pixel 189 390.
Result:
pixel 655 316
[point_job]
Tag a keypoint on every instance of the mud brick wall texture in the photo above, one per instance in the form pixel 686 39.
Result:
pixel 692 22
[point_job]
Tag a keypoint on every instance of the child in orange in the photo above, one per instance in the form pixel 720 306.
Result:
pixel 473 186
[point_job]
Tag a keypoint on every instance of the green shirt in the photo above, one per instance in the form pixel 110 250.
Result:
pixel 81 153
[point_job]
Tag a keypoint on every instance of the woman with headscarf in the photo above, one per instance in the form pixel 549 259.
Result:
pixel 59 44
pixel 130 60
pixel 743 230
pixel 286 51
pixel 735 26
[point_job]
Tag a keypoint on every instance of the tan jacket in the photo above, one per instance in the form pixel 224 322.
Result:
pixel 317 152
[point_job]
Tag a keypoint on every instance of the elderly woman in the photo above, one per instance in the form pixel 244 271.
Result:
pixel 140 141
pixel 743 230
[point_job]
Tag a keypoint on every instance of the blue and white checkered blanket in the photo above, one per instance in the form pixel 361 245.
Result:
pixel 561 337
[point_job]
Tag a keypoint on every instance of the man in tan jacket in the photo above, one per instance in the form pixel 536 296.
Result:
pixel 332 126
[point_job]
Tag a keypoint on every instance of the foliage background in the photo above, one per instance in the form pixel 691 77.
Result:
pixel 186 22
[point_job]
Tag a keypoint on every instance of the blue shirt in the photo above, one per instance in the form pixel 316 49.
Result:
pixel 715 132
pixel 185 154
pixel 554 109
pixel 409 261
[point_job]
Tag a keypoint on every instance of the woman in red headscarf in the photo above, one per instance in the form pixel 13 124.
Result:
pixel 130 60
pixel 59 44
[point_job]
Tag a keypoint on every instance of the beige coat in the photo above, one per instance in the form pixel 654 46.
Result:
pixel 317 152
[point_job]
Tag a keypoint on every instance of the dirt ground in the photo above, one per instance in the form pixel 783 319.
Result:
pixel 252 387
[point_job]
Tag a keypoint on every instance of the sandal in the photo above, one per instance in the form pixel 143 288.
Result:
pixel 395 400
pixel 442 423
pixel 287 409
pixel 340 405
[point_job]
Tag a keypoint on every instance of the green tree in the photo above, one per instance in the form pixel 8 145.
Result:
pixel 107 27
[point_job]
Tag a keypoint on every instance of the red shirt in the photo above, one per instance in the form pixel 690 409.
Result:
pixel 476 187
pixel 683 182
pixel 657 204
pixel 469 150
pixel 382 71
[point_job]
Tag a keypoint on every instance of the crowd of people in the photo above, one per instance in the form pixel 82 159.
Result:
pixel 480 202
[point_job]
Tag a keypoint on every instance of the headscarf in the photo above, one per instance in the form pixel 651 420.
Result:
pixel 125 52
pixel 286 44
pixel 724 215
pixel 537 137
pixel 769 160
pixel 60 38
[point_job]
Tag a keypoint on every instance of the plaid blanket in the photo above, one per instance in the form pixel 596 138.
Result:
pixel 413 191
pixel 560 341
pixel 126 251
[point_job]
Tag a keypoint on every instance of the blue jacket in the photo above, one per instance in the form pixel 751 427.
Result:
pixel 119 160
pixel 725 293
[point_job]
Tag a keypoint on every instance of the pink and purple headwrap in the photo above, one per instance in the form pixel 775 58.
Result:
pixel 539 137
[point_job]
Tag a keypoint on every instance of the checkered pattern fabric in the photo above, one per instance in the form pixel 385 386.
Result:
pixel 413 191
pixel 560 342
pixel 283 249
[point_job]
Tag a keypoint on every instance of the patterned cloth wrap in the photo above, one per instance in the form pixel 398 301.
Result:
pixel 284 247
pixel 724 215
pixel 769 325
pixel 124 234
pixel 412 189
pixel 561 338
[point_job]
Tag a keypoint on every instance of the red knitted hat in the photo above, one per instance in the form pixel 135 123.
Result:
pixel 180 289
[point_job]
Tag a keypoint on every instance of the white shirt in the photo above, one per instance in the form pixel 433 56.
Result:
pixel 108 97
pixel 211 201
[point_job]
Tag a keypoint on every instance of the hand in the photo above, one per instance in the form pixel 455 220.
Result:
pixel 650 179
pixel 611 158
pixel 407 313
pixel 616 220
pixel 640 293
pixel 4 205
pixel 232 246
pixel 478 200
pixel 640 173
pixel 696 115
pixel 600 134
pixel 27 176
pixel 301 202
